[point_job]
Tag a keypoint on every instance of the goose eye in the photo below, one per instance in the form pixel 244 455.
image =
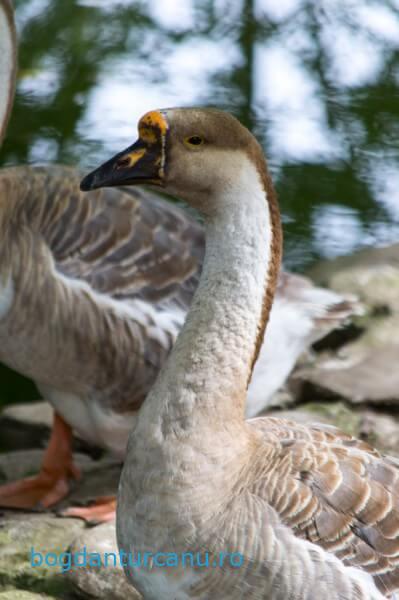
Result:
pixel 194 140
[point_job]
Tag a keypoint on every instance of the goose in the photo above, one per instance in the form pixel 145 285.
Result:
pixel 311 512
pixel 89 280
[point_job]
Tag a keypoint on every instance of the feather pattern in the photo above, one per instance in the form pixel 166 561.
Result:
pixel 335 491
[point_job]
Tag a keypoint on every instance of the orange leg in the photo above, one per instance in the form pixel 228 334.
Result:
pixel 101 511
pixel 52 483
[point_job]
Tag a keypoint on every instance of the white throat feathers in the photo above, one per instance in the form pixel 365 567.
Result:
pixel 212 360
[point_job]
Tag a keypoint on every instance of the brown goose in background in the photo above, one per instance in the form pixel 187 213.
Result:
pixel 94 289
pixel 312 512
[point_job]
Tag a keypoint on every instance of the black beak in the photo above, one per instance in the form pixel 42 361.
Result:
pixel 140 163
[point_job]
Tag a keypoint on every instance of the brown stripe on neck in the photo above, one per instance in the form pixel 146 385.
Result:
pixel 276 247
pixel 8 11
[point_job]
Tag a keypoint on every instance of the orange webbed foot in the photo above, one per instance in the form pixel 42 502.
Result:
pixel 52 483
pixel 101 510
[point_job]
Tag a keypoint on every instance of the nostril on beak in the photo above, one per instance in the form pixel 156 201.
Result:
pixel 123 162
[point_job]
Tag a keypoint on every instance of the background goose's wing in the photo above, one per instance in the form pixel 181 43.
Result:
pixel 323 307
pixel 335 491
pixel 131 262
pixel 124 243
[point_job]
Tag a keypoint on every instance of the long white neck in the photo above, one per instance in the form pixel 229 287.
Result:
pixel 207 373
pixel 7 64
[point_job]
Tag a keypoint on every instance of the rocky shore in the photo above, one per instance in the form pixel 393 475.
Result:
pixel 350 379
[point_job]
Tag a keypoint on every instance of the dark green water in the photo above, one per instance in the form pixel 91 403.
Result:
pixel 316 80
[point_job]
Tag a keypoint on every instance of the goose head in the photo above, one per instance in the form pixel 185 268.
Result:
pixel 195 154
pixel 8 63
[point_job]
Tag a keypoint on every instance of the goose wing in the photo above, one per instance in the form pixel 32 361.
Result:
pixel 325 308
pixel 123 243
pixel 130 260
pixel 335 491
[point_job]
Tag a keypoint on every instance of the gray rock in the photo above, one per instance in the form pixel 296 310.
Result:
pixel 281 399
pixel 28 425
pixel 381 431
pixel 22 595
pixel 102 582
pixel 376 285
pixel 45 534
pixel 365 370
pixel 25 425
pixel 367 273
pixel 378 429
pixel 30 413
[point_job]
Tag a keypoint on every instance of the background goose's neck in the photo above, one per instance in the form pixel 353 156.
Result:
pixel 210 366
pixel 8 62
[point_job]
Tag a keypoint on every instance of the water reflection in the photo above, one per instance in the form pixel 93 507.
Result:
pixel 316 81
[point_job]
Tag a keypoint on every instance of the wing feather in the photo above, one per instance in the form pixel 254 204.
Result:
pixel 339 492
pixel 124 243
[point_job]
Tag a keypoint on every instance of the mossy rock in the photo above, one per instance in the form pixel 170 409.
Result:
pixel 336 413
pixel 44 534
pixel 22 595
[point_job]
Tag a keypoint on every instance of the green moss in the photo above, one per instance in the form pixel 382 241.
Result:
pixel 53 585
pixel 336 412
pixel 45 534
pixel 14 594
